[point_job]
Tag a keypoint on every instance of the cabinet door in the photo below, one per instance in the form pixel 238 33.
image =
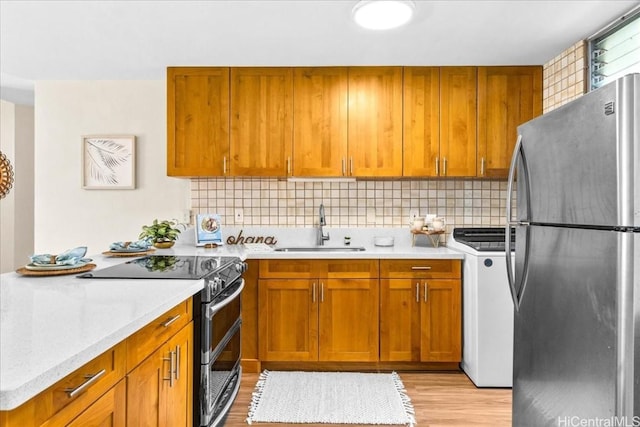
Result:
pixel 375 121
pixel 108 411
pixel 197 121
pixel 178 400
pixel 159 390
pixel 261 121
pixel 458 121
pixel 320 121
pixel 507 97
pixel 400 302
pixel 441 321
pixel 421 121
pixel 288 319
pixel 348 320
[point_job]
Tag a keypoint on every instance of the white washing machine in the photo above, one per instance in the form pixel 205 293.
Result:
pixel 487 331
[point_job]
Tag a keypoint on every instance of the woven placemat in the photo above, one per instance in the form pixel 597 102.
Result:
pixel 127 254
pixel 26 272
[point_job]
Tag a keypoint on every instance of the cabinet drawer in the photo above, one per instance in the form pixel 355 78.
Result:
pixel 61 402
pixel 148 339
pixel 288 269
pixel 420 268
pixel 350 269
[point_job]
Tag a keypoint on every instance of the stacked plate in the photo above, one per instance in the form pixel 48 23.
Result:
pixel 34 266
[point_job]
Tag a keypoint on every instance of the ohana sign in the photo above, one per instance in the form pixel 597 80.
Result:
pixel 240 239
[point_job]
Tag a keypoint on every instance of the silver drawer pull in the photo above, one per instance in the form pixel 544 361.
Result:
pixel 421 268
pixel 170 321
pixel 90 379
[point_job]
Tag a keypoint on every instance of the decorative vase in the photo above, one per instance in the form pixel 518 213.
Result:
pixel 163 245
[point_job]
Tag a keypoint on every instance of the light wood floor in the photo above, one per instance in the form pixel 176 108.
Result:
pixel 439 399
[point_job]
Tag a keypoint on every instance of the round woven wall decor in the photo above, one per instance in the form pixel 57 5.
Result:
pixel 6 175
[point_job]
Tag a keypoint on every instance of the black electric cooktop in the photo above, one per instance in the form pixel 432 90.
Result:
pixel 164 267
pixel 483 239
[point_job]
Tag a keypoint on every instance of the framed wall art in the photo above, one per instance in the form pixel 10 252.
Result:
pixel 108 162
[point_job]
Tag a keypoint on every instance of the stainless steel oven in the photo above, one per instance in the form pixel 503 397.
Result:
pixel 218 361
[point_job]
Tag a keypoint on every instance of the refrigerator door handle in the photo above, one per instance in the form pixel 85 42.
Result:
pixel 510 223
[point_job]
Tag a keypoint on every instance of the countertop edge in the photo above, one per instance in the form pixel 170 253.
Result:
pixel 11 399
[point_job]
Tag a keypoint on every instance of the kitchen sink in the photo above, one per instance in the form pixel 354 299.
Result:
pixel 321 249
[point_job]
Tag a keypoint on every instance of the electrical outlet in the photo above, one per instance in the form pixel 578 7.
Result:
pixel 186 216
pixel 413 213
pixel 239 216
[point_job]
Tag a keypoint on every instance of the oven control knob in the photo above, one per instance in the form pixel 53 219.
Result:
pixel 241 267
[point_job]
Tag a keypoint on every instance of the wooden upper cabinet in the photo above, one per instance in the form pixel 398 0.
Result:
pixel 375 121
pixel 320 124
pixel 458 121
pixel 421 117
pixel 261 121
pixel 507 97
pixel 197 121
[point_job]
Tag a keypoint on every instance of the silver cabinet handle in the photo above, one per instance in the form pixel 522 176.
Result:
pixel 444 166
pixel 418 267
pixel 171 360
pixel 224 165
pixel 177 373
pixel 170 321
pixel 321 292
pixel 351 165
pixel 313 292
pixel 288 165
pixel 482 167
pixel 437 166
pixel 90 379
pixel 426 291
pixel 417 292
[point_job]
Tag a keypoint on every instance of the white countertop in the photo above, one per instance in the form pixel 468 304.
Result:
pixel 51 326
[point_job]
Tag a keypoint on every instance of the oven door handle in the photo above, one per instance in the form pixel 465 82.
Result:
pixel 213 309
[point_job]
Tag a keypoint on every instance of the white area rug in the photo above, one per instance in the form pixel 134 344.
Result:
pixel 330 397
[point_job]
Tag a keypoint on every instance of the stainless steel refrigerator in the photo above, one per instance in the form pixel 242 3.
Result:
pixel 575 281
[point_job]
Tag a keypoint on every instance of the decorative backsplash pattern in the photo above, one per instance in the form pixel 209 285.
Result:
pixel 564 77
pixel 375 203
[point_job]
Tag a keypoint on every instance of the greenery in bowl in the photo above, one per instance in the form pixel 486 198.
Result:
pixel 161 231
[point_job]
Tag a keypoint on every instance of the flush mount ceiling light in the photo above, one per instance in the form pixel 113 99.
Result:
pixel 382 14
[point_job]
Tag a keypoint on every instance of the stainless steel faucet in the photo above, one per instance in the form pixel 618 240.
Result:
pixel 322 222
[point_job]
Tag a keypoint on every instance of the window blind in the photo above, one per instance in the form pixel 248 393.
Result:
pixel 616 52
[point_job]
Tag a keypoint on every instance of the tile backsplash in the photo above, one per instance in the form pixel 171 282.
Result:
pixel 564 77
pixel 374 203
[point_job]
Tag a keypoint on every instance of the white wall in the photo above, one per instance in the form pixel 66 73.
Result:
pixel 67 215
pixel 16 209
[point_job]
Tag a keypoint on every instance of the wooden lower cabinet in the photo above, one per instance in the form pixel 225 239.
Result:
pixel 332 317
pixel 288 320
pixel 420 320
pixel 159 389
pixel 420 311
pixel 330 320
pixel 108 411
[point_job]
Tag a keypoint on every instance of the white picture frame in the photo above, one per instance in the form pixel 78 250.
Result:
pixel 108 162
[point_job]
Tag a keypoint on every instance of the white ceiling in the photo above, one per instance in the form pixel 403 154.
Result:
pixel 98 40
